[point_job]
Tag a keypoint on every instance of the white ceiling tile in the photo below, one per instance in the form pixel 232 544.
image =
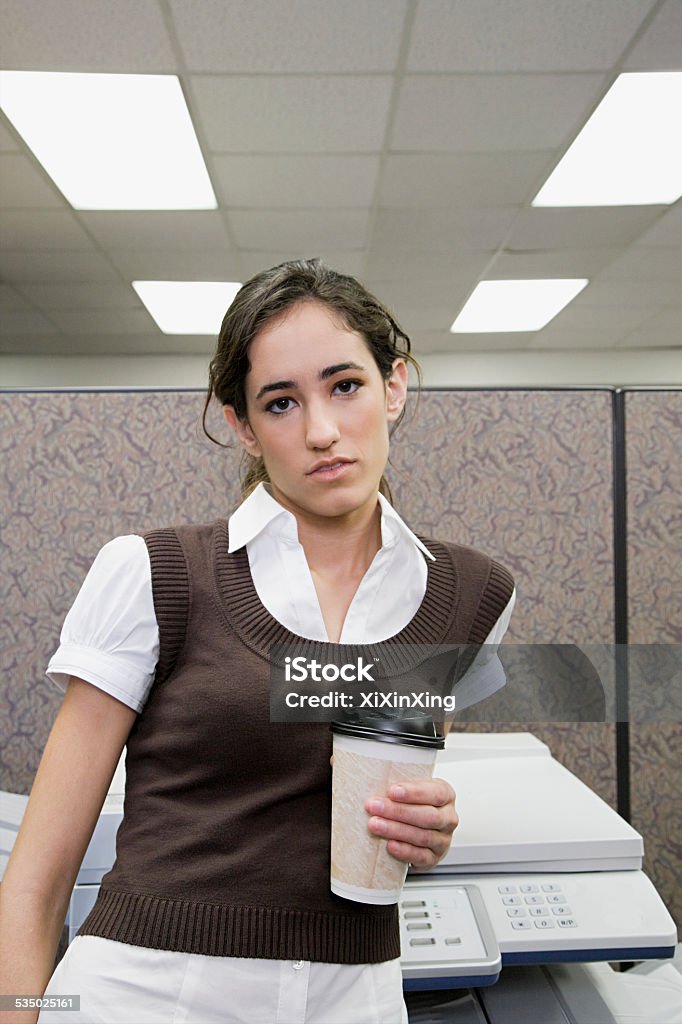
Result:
pixel 462 179
pixel 23 322
pixel 253 262
pixel 299 35
pixel 316 114
pixel 32 344
pixel 639 263
pixel 85 35
pixel 443 289
pixel 442 230
pixel 666 231
pixel 416 318
pixel 96 321
pixel 41 229
pixel 491 113
pixel 573 340
pixel 24 184
pixel 668 320
pixel 388 264
pixel 110 344
pixel 82 296
pixel 507 342
pixel 593 319
pixel 522 35
pixel 426 342
pixel 579 228
pixel 584 262
pixel 296 181
pixel 274 230
pixel 638 294
pixel 12 301
pixel 660 46
pixel 8 143
pixel 157 229
pixel 67 265
pixel 176 264
pixel 647 337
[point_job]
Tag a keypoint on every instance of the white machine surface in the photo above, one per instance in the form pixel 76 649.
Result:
pixel 549 868
pixel 534 919
pixel 521 810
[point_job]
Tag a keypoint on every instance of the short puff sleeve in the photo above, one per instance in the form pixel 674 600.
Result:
pixel 110 636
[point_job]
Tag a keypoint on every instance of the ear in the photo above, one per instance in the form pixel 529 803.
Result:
pixel 396 390
pixel 243 431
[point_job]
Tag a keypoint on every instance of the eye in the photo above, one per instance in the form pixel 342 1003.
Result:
pixel 355 383
pixel 275 407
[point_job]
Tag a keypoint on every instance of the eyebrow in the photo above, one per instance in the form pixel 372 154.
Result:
pixel 329 371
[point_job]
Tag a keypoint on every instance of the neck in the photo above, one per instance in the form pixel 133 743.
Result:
pixel 339 547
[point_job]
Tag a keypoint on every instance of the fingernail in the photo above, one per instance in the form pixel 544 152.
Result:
pixel 398 792
pixel 379 825
pixel 376 806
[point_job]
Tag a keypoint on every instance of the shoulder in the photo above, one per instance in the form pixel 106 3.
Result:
pixel 179 541
pixel 471 562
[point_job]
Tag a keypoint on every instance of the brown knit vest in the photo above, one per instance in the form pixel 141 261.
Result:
pixel 224 846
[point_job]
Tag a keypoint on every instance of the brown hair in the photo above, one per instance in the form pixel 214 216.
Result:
pixel 266 296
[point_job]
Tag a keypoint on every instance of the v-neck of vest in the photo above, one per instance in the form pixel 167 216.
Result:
pixel 260 631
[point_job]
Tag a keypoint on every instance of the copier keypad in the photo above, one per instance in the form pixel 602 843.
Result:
pixel 543 906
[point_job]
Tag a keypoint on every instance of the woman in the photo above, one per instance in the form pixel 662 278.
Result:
pixel 218 906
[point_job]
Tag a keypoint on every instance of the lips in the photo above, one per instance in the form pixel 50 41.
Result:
pixel 329 464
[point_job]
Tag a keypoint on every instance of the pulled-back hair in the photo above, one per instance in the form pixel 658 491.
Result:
pixel 268 295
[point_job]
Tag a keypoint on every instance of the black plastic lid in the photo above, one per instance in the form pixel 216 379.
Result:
pixel 410 730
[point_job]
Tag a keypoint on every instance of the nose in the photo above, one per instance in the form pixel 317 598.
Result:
pixel 321 429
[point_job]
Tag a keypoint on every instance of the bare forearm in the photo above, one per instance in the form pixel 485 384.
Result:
pixel 29 936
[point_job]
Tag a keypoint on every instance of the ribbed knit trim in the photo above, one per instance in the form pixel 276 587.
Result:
pixel 216 930
pixel 259 630
pixel 494 600
pixel 170 590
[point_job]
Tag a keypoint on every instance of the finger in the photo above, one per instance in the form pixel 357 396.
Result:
pixel 436 792
pixel 418 857
pixel 423 816
pixel 423 838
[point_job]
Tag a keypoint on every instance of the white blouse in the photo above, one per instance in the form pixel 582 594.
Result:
pixel 110 636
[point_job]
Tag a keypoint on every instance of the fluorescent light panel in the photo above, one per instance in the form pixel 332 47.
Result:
pixel 629 152
pixel 187 307
pixel 496 307
pixel 111 142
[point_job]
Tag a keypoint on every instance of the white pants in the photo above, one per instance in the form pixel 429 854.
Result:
pixel 123 984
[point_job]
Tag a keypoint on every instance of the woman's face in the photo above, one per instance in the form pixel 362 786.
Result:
pixel 314 394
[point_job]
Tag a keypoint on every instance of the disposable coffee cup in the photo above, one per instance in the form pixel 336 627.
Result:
pixel 371 754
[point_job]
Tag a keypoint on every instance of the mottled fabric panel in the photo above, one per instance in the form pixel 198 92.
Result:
pixel 77 469
pixel 654 508
pixel 527 477
pixel 653 422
